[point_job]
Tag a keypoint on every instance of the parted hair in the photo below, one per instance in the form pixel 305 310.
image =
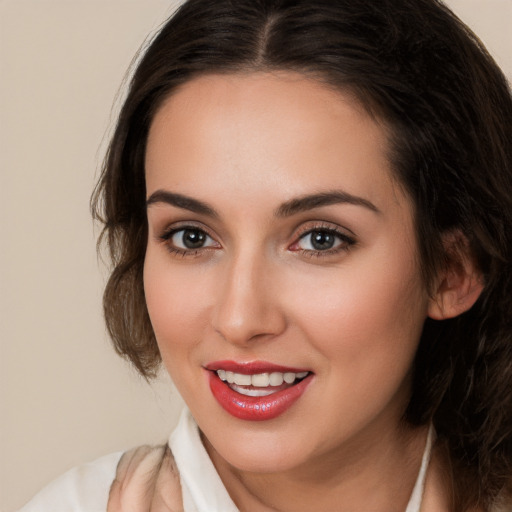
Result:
pixel 414 66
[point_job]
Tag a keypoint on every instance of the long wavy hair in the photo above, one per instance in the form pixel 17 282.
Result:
pixel 417 68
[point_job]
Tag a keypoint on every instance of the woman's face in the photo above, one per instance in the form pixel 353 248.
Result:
pixel 280 249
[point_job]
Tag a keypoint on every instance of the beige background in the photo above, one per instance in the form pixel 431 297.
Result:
pixel 65 397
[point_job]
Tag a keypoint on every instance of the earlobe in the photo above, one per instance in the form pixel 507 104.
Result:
pixel 459 284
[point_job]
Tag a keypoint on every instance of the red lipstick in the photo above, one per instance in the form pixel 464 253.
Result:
pixel 251 367
pixel 256 408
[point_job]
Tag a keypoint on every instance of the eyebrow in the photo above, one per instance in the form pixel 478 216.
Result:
pixel 181 201
pixel 309 202
pixel 287 209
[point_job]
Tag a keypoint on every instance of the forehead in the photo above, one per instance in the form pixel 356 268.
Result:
pixel 279 133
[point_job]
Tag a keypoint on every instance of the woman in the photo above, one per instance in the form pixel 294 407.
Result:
pixel 307 207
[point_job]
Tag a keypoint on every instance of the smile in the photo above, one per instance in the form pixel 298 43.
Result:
pixel 253 394
pixel 245 384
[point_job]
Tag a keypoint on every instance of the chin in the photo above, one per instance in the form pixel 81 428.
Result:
pixel 254 450
pixel 259 460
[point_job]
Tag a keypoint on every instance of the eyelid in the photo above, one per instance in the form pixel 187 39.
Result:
pixel 166 235
pixel 173 227
pixel 346 236
pixel 308 227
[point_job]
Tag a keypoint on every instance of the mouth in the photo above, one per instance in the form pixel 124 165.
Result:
pixel 260 384
pixel 256 391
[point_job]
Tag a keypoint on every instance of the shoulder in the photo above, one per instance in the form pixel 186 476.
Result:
pixel 81 489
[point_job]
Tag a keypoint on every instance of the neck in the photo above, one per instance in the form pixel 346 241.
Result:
pixel 375 471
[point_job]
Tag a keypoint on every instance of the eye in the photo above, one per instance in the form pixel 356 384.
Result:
pixel 188 240
pixel 319 240
pixel 322 241
pixel 191 238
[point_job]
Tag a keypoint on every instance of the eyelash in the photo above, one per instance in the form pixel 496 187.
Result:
pixel 347 242
pixel 166 239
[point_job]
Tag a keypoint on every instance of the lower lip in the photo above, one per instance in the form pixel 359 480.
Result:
pixel 256 408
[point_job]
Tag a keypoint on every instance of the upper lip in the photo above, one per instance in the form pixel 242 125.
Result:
pixel 251 367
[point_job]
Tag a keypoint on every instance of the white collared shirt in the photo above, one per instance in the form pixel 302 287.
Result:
pixel 86 488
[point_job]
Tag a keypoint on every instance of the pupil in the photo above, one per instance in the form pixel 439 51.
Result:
pixel 322 240
pixel 193 239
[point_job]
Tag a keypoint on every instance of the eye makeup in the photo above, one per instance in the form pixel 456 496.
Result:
pixel 315 239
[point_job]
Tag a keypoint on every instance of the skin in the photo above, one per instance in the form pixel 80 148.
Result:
pixel 245 145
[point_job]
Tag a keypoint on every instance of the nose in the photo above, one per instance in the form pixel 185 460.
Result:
pixel 247 306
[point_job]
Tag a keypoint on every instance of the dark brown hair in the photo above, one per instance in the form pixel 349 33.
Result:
pixel 414 65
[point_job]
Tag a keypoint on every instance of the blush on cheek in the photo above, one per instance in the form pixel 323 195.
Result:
pixel 176 306
pixel 370 315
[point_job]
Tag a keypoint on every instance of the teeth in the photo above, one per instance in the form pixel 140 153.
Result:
pixel 251 391
pixel 276 379
pixel 289 377
pixel 259 380
pixel 242 380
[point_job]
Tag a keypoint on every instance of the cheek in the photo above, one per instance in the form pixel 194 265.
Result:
pixel 360 316
pixel 175 298
pixel 364 328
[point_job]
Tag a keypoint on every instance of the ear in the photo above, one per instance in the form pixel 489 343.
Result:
pixel 459 283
